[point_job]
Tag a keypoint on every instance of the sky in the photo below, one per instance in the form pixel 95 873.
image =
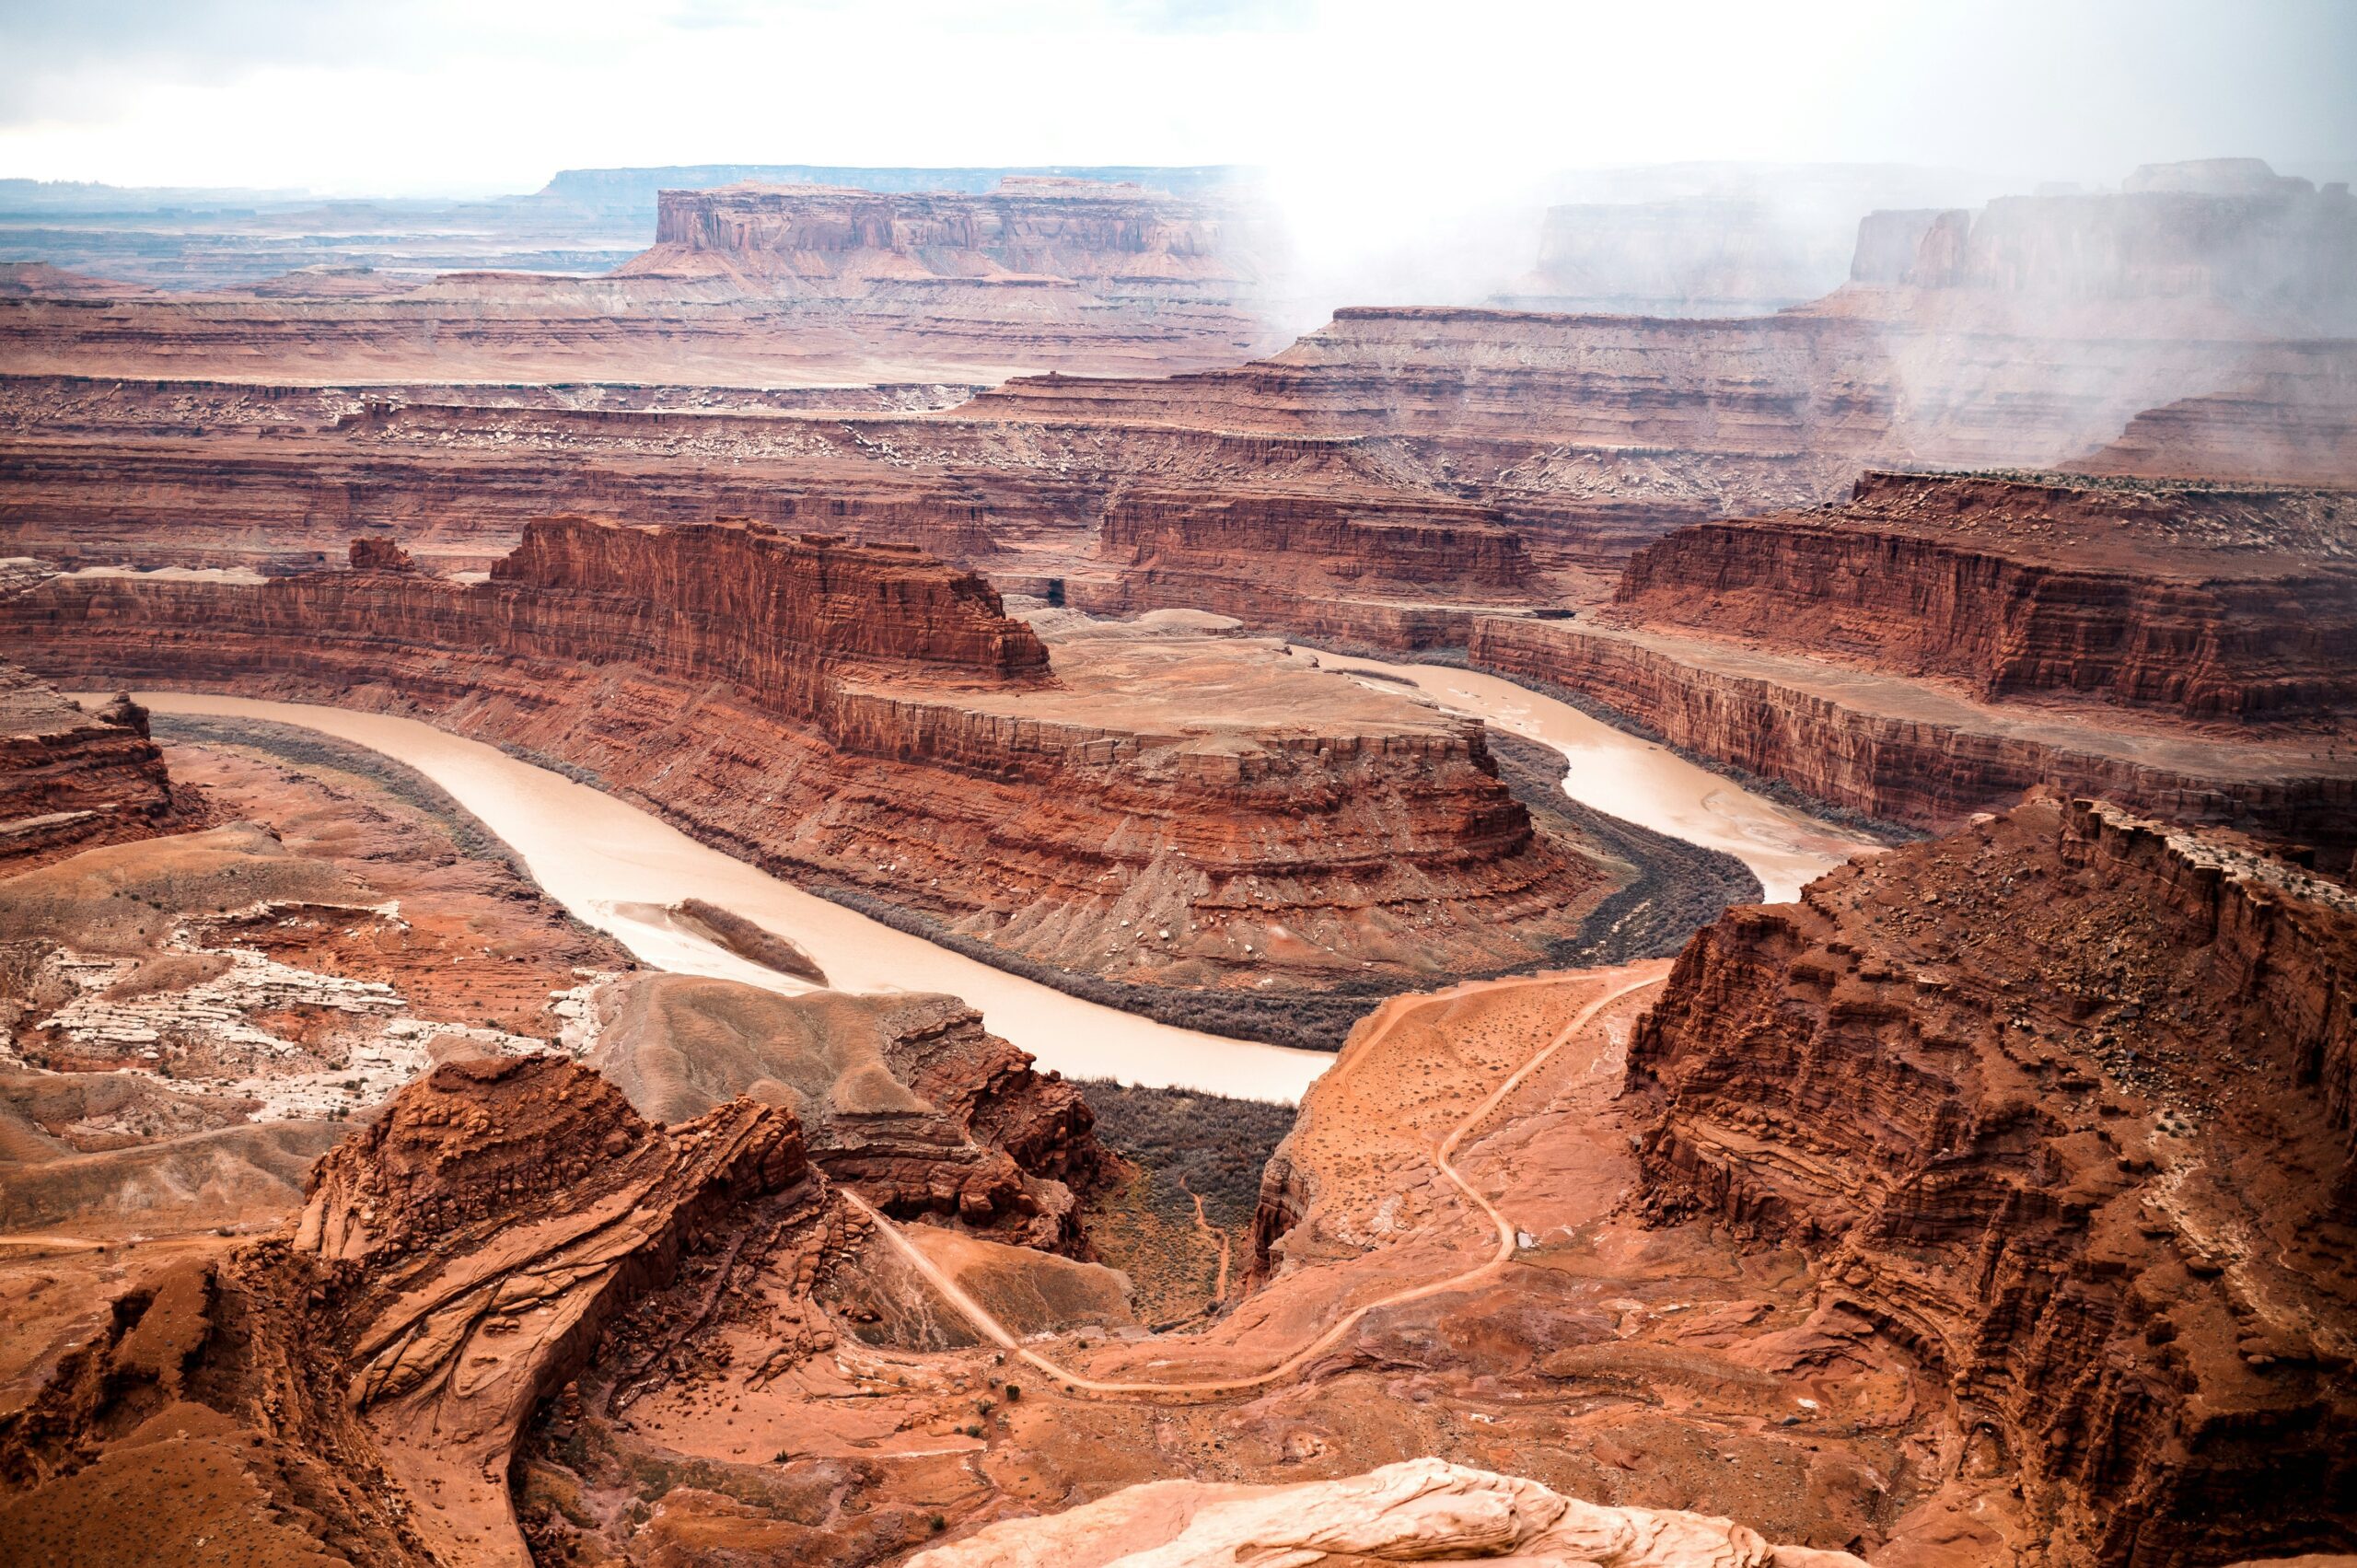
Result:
pixel 484 97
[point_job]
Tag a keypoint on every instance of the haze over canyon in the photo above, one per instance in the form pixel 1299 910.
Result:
pixel 1090 810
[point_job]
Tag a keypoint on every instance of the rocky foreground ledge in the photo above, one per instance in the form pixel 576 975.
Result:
pixel 1416 1511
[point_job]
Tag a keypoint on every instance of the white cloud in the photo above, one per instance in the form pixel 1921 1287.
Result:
pixel 1343 99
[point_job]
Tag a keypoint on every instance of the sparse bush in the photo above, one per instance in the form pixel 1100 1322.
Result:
pixel 1213 1145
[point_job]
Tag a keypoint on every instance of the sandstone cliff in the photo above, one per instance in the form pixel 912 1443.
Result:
pixel 2293 428
pixel 866 718
pixel 2212 602
pixel 1906 751
pixel 70 777
pixel 1381 568
pixel 2064 1101
pixel 905 1098
pixel 1030 229
pixel 2266 251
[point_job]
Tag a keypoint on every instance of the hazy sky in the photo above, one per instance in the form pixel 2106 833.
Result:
pixel 484 96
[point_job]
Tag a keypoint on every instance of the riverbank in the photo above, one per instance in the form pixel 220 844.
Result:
pixel 598 854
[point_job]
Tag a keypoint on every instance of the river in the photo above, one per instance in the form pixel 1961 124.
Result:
pixel 1635 780
pixel 615 865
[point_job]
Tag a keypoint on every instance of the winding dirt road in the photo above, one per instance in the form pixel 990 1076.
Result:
pixel 1443 1156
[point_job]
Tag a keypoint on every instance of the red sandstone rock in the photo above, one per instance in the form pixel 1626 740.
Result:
pixel 68 777
pixel 2217 603
pixel 2065 1102
pixel 905 1098
pixel 1314 566
pixel 869 715
pixel 380 555
pixel 458 1261
pixel 1908 752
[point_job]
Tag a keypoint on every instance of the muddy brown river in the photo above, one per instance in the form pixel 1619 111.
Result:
pixel 1638 781
pixel 616 866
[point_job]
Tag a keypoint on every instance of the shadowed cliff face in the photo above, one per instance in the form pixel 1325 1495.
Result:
pixel 2064 1101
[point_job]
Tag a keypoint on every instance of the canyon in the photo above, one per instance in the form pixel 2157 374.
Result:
pixel 2062 1101
pixel 872 719
pixel 1937 643
pixel 1751 1235
pixel 647 965
pixel 792 285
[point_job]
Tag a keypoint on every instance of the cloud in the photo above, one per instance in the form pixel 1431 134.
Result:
pixel 1474 97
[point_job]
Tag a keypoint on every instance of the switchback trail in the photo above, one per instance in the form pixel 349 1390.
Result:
pixel 988 1325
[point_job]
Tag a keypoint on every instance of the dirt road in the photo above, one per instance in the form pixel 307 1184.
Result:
pixel 1443 1159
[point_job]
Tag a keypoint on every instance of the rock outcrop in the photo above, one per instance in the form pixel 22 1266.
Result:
pixel 2065 1102
pixel 1416 1511
pixel 1380 568
pixel 500 1215
pixel 1902 750
pixel 904 1099
pixel 2295 429
pixel 2214 603
pixel 69 777
pixel 361 1385
pixel 2273 253
pixel 1159 812
pixel 1118 240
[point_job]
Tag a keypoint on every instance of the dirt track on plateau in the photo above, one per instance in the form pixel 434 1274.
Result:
pixel 1443 1156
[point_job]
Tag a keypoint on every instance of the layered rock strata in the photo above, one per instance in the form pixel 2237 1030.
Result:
pixel 1585 436
pixel 1378 569
pixel 1120 239
pixel 2211 603
pixel 1904 752
pixel 774 285
pixel 1160 812
pixel 2291 429
pixel 71 777
pixel 905 1098
pixel 357 1389
pixel 2064 1102
pixel 2272 250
